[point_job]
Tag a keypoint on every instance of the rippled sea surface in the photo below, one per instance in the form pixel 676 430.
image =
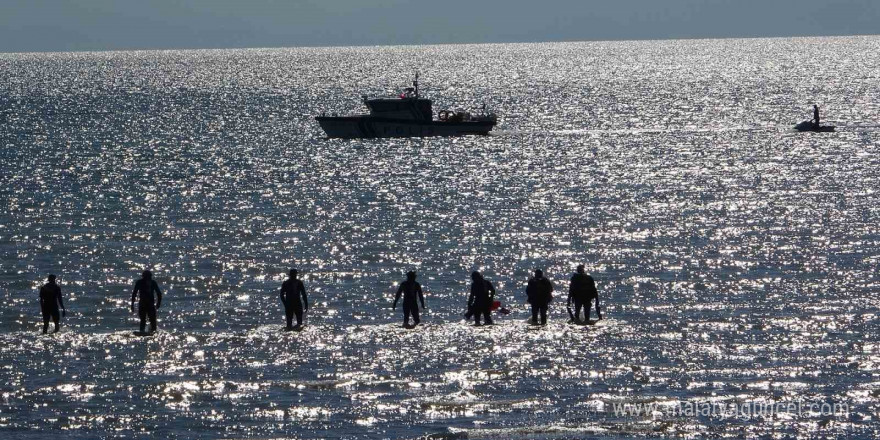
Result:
pixel 736 260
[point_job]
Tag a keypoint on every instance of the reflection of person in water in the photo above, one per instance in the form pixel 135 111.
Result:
pixel 411 290
pixel 480 299
pixel 50 300
pixel 147 303
pixel 540 293
pixel 582 291
pixel 291 291
pixel 815 115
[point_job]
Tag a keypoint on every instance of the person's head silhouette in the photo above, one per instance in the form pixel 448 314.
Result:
pixel 411 275
pixel 293 273
pixel 147 275
pixel 475 275
pixel 539 273
pixel 580 268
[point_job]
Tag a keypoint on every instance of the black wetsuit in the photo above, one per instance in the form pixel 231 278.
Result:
pixel 147 304
pixel 411 291
pixel 50 300
pixel 816 116
pixel 291 290
pixel 583 291
pixel 540 293
pixel 480 300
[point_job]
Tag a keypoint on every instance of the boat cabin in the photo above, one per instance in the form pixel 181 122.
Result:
pixel 403 108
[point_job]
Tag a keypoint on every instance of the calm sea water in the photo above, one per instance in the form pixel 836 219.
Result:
pixel 737 260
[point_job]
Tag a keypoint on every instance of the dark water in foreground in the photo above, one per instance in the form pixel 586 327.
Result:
pixel 737 260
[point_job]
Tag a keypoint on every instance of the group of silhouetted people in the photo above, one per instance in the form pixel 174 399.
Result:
pixel 480 304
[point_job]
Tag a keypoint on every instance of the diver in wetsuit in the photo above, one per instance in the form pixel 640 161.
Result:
pixel 410 290
pixel 147 303
pixel 291 291
pixel 583 291
pixel 540 293
pixel 50 299
pixel 481 298
pixel 815 116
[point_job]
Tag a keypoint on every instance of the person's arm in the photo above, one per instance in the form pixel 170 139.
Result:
pixel 571 287
pixel 421 296
pixel 397 297
pixel 471 297
pixel 302 291
pixel 595 293
pixel 134 294
pixel 61 303
pixel 158 294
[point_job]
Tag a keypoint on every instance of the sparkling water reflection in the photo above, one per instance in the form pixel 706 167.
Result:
pixel 737 259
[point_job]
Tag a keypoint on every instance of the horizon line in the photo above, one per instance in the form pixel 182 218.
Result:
pixel 486 43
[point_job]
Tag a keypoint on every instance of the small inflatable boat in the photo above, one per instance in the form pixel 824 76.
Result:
pixel 811 126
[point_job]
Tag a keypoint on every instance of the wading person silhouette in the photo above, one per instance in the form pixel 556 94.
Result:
pixel 147 303
pixel 816 115
pixel 481 298
pixel 291 291
pixel 540 293
pixel 50 300
pixel 582 291
pixel 411 291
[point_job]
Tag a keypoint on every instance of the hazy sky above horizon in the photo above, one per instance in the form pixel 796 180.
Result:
pixel 63 25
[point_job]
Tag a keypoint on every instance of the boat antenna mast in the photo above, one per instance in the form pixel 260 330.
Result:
pixel 416 84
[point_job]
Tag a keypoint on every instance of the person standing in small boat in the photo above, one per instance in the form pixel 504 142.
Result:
pixel 582 291
pixel 815 115
pixel 50 300
pixel 481 298
pixel 411 291
pixel 540 293
pixel 291 291
pixel 147 303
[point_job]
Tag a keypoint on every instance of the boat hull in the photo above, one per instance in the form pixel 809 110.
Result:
pixel 356 127
pixel 810 126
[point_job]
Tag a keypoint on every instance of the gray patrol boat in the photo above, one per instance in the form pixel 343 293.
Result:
pixel 408 115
